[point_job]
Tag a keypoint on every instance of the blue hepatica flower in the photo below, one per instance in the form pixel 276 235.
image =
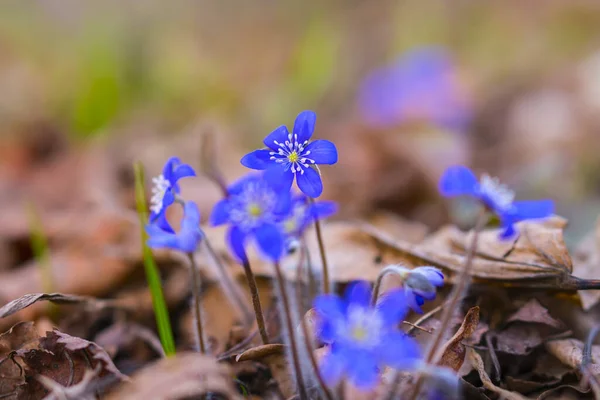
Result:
pixel 295 155
pixel 363 339
pixel 421 284
pixel 498 198
pixel 164 190
pixel 254 208
pixel 186 240
pixel 421 85
pixel 303 213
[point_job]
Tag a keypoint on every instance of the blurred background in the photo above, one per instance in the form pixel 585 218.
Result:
pixel 404 88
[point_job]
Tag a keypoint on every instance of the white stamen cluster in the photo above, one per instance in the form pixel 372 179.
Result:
pixel 285 154
pixel 499 194
pixel 363 326
pixel 254 194
pixel 159 189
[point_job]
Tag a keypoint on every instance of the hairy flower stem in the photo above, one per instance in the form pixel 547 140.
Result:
pixel 260 319
pixel 287 311
pixel 309 346
pixel 457 294
pixel 390 269
pixel 322 251
pixel 195 281
pixel 231 287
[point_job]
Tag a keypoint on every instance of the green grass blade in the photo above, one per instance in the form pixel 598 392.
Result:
pixel 152 275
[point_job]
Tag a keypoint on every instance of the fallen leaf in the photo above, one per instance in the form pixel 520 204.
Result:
pixel 274 355
pixel 570 353
pixel 21 336
pixel 534 312
pixel 586 264
pixel 454 351
pixel 259 352
pixel 477 363
pixel 186 375
pixel 57 298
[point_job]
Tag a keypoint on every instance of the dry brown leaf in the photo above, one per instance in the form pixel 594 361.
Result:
pixel 274 355
pixel 586 264
pixel 534 312
pixel 570 353
pixel 186 375
pixel 454 352
pixel 21 336
pixel 57 298
pixel 477 363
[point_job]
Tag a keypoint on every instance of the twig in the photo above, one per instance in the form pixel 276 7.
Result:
pixel 291 332
pixel 260 319
pixel 325 266
pixel 194 274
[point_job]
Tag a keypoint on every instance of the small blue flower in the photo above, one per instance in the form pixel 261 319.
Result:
pixel 294 155
pixel 186 240
pixel 421 85
pixel 254 208
pixel 303 213
pixel 461 181
pixel 363 339
pixel 164 190
pixel 421 284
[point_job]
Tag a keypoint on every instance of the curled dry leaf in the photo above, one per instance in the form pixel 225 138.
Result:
pixel 477 363
pixel 274 355
pixel 534 312
pixel 22 336
pixel 454 352
pixel 586 264
pixel 57 298
pixel 186 375
pixel 570 353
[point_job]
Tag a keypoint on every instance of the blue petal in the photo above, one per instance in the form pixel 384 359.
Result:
pixel 412 300
pixel 153 229
pixel 532 209
pixel 238 186
pixel 188 240
pixel 310 183
pixel 258 159
pixel 399 351
pixel 362 370
pixel 330 307
pixel 279 135
pixel 304 126
pixel 166 240
pixel 332 367
pixel 358 292
pixel 235 239
pixel 323 209
pixel 191 217
pixel 270 241
pixel 458 181
pixel 182 171
pixel 392 307
pixel 508 227
pixel 321 152
pixel 279 177
pixel 169 167
pixel 433 275
pixel 220 213
pixel 284 204
pixel 161 221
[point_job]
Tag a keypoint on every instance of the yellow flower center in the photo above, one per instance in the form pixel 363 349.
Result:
pixel 255 210
pixel 293 157
pixel 359 333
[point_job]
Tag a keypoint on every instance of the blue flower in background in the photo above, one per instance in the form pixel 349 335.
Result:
pixel 186 240
pixel 294 155
pixel 303 213
pixel 421 85
pixel 363 339
pixel 164 190
pixel 254 207
pixel 421 284
pixel 498 198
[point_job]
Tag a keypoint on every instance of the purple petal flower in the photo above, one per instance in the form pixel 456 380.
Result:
pixel 294 155
pixel 253 209
pixel 496 197
pixel 363 339
pixel 423 84
pixel 186 240
pixel 302 213
pixel 165 187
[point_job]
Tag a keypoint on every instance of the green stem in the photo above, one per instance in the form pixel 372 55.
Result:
pixel 159 305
